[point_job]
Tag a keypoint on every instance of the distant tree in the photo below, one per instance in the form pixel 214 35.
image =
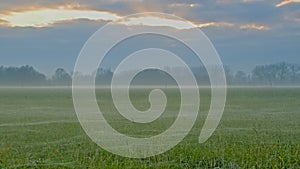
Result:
pixel 295 74
pixel 229 75
pixel 153 77
pixel 201 75
pixel 240 78
pixel 104 76
pixel 61 77
pixel 264 75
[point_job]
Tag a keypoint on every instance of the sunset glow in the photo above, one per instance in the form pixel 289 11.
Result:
pixel 286 2
pixel 46 17
pixel 178 24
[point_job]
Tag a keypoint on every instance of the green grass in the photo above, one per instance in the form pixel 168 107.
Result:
pixel 260 128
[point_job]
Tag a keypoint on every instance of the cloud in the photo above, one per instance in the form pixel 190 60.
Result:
pixel 295 19
pixel 249 1
pixel 115 1
pixel 292 15
pixel 255 27
pixel 178 24
pixel 185 5
pixel 3 22
pixel 287 2
pixel 47 16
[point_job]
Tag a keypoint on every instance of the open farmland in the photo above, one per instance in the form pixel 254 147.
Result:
pixel 260 128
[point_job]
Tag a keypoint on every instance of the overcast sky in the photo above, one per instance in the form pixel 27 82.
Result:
pixel 50 34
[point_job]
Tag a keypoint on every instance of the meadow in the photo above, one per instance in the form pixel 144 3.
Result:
pixel 260 128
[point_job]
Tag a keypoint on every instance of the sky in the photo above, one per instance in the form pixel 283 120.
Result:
pixel 50 34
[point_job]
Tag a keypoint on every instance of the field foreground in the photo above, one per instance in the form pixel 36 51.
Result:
pixel 260 128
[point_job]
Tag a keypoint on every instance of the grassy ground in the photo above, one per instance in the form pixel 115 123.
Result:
pixel 260 128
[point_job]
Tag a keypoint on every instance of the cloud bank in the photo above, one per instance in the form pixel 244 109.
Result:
pixel 287 2
pixel 46 17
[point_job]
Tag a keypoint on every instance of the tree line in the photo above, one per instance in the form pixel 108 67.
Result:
pixel 28 76
pixel 279 74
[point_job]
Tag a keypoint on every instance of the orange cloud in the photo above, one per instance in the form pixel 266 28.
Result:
pixel 286 2
pixel 178 24
pixel 255 27
pixel 47 16
pixel 44 17
pixel 3 22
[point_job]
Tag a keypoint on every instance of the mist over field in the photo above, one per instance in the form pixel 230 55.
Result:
pixel 279 74
pixel 150 84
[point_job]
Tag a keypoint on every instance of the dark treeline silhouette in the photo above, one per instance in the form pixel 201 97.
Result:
pixel 28 76
pixel 276 74
pixel 21 76
pixel 279 74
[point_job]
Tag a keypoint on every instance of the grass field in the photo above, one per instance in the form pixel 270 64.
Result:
pixel 260 128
